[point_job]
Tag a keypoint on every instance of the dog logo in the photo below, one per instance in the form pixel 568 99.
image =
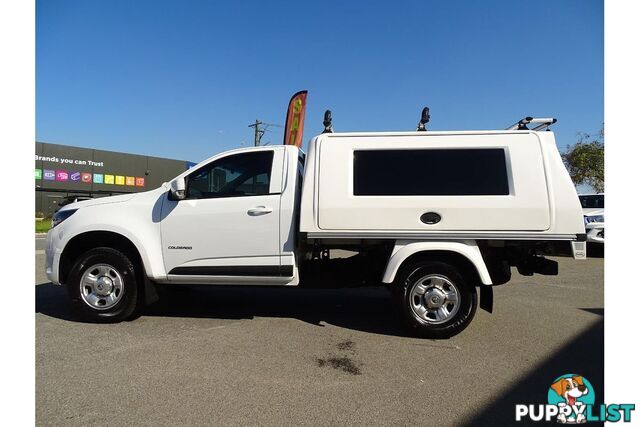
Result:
pixel 571 393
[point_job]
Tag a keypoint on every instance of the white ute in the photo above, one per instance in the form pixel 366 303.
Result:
pixel 431 215
pixel 593 210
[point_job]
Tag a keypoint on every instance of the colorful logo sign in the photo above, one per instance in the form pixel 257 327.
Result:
pixel 62 176
pixel 571 400
pixel 87 178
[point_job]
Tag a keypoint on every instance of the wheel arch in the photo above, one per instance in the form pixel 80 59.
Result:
pixel 82 242
pixel 465 255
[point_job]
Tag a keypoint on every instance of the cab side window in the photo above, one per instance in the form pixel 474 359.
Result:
pixel 238 175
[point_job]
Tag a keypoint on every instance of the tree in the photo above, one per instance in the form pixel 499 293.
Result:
pixel 585 160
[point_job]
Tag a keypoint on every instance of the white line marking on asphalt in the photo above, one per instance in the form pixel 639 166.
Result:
pixel 555 285
pixel 445 346
pixel 216 327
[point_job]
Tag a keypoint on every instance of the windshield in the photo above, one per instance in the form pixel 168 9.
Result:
pixel 592 201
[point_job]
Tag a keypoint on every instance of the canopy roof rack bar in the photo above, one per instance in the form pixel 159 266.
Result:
pixel 541 122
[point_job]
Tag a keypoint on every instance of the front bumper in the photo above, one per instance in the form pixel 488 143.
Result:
pixel 595 232
pixel 52 257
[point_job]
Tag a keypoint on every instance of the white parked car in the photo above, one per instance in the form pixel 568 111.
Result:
pixel 436 216
pixel 593 210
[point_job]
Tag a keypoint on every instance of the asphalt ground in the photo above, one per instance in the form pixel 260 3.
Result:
pixel 273 356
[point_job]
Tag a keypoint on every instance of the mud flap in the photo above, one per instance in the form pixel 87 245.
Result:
pixel 150 293
pixel 486 298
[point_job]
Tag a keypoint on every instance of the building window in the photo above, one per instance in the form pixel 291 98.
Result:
pixel 430 172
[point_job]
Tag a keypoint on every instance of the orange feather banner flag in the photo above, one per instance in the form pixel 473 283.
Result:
pixel 294 126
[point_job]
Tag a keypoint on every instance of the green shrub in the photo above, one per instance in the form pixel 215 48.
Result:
pixel 42 226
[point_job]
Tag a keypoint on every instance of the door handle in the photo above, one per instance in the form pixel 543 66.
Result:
pixel 259 210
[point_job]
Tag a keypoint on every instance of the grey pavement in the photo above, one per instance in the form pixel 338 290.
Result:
pixel 272 356
pixel 40 245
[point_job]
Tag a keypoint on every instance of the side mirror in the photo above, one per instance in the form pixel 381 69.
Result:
pixel 178 190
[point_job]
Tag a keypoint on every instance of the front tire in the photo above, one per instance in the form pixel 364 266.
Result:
pixel 433 299
pixel 103 286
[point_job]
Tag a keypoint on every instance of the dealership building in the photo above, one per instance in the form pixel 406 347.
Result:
pixel 64 172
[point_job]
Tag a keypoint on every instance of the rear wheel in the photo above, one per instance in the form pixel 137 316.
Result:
pixel 103 285
pixel 433 299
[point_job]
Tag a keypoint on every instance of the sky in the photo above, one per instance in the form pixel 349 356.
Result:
pixel 184 79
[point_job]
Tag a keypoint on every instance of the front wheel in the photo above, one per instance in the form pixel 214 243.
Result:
pixel 433 299
pixel 103 286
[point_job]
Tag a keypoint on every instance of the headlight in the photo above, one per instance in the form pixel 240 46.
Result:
pixel 60 216
pixel 593 218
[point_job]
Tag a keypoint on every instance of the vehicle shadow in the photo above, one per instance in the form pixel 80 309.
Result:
pixel 583 355
pixel 52 300
pixel 595 250
pixel 364 309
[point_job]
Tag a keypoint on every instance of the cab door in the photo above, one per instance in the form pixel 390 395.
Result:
pixel 227 229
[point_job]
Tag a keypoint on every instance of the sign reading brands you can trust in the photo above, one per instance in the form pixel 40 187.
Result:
pixel 65 161
pixel 81 176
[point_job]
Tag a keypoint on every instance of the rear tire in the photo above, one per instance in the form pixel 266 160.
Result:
pixel 103 286
pixel 433 299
